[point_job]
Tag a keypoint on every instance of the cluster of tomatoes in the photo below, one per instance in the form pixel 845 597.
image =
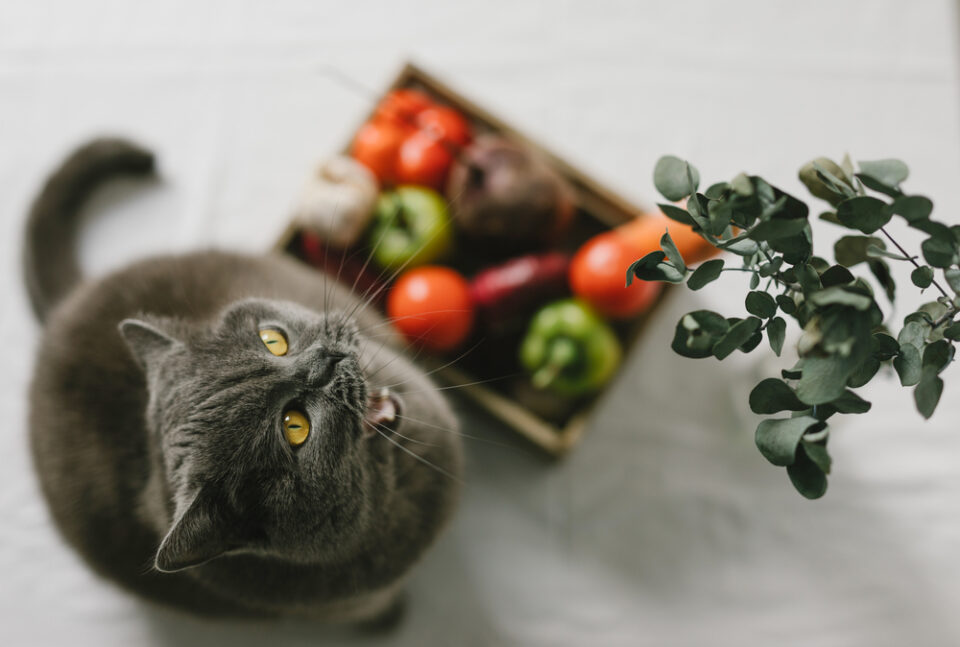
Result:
pixel 411 140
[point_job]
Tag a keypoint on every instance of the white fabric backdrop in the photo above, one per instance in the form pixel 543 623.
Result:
pixel 665 527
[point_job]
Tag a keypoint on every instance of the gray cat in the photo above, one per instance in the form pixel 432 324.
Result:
pixel 228 434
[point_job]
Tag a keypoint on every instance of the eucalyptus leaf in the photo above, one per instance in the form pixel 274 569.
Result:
pixel 863 373
pixel 866 213
pixel 927 393
pixel 777 438
pixel 939 252
pixel 672 177
pixel 807 477
pixel 836 275
pixel 922 277
pixel 850 402
pixel 776 333
pixel 777 229
pixel 907 365
pixel 676 213
pixel 952 331
pixel 697 332
pixel 874 251
pixel 673 254
pixel 890 172
pixel 772 396
pixel 912 207
pixel 708 272
pixel 884 346
pixel 852 250
pixel 742 185
pixel 738 334
pixel 952 275
pixel 822 179
pixel 760 304
pixel 838 295
pixel 824 379
pixel 653 267
pixel 881 271
pixel 937 355
pixel 817 453
pixel 786 303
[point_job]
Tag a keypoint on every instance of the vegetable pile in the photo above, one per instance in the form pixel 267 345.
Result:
pixel 475 244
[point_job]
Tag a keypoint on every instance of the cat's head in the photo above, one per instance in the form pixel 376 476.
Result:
pixel 262 424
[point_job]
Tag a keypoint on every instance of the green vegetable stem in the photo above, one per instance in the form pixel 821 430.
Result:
pixel 569 349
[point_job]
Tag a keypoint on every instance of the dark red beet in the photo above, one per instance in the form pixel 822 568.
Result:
pixel 505 294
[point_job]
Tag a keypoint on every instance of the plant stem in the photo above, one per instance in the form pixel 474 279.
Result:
pixel 912 259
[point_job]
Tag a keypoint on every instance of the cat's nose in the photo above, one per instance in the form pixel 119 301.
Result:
pixel 322 369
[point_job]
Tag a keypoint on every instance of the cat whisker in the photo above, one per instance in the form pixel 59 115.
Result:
pixel 387 430
pixel 366 300
pixel 434 370
pixel 458 386
pixel 456 432
pixel 419 457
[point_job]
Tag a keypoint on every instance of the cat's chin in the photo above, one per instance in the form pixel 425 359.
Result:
pixel 383 415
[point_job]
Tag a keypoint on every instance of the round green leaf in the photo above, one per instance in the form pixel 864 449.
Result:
pixel 706 273
pixel 907 364
pixel 912 207
pixel 866 213
pixel 777 438
pixel 761 304
pixel 922 277
pixel 697 332
pixel 939 252
pixel 890 172
pixel 851 250
pixel 674 178
pixel 807 477
pixel 772 396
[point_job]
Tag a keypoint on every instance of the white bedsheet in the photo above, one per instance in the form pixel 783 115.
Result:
pixel 665 527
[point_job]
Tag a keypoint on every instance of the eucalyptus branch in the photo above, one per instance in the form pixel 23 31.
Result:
pixel 844 341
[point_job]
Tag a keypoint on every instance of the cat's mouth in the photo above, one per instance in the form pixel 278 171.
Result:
pixel 383 412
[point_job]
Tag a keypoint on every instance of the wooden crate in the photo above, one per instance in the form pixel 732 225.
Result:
pixel 594 201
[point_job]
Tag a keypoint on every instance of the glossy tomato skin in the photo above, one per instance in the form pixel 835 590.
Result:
pixel 598 275
pixel 403 106
pixel 423 160
pixel 431 307
pixel 376 146
pixel 445 123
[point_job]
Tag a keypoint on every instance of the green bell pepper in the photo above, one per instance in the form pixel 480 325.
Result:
pixel 569 349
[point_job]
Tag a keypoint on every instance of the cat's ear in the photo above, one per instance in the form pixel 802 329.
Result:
pixel 146 341
pixel 197 536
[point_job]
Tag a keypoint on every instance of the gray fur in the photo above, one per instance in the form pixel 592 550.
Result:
pixel 156 434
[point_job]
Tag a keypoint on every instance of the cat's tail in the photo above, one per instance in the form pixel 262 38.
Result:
pixel 50 258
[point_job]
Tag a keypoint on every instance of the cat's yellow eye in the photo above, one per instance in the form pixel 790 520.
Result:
pixel 296 427
pixel 274 340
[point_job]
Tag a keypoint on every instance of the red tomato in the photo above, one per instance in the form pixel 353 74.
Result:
pixel 403 106
pixel 423 160
pixel 376 146
pixel 598 275
pixel 431 306
pixel 445 123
